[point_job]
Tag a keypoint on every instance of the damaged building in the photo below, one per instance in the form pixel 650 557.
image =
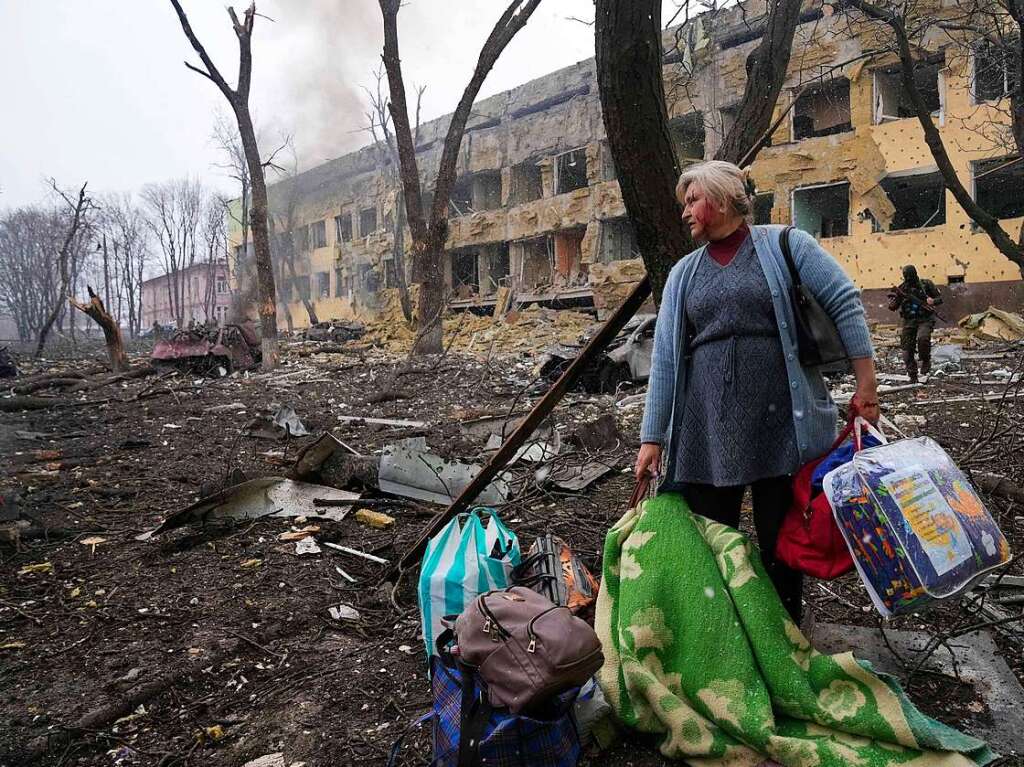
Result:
pixel 536 211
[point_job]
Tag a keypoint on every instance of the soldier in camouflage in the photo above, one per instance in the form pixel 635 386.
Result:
pixel 915 299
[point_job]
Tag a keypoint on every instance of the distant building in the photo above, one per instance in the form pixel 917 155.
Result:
pixel 201 293
pixel 536 206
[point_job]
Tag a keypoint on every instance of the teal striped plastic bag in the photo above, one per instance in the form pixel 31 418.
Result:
pixel 464 560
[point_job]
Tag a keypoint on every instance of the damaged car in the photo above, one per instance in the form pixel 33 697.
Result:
pixel 627 359
pixel 205 349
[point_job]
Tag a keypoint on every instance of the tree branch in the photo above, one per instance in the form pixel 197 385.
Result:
pixel 211 73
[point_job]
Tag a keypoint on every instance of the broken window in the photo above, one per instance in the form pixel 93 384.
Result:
pixel 892 101
pixel 323 280
pixel 688 136
pixel 568 257
pixel 367 221
pixel 996 69
pixel 763 204
pixel 617 240
pixel 318 234
pixel 340 287
pixel 525 183
pixel 368 281
pixel 497 266
pixel 999 186
pixel 571 171
pixel 532 259
pixel 390 273
pixel 920 200
pixel 460 201
pixel 487 190
pixel 822 110
pixel 824 211
pixel 465 273
pixel 343 227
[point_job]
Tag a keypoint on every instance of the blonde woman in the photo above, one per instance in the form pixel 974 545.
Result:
pixel 728 404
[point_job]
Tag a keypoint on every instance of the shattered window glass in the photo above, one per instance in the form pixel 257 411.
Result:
pixel 920 200
pixel 999 186
pixel 823 211
pixel 822 110
pixel 995 69
pixel 570 171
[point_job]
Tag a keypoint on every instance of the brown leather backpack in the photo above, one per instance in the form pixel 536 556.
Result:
pixel 525 648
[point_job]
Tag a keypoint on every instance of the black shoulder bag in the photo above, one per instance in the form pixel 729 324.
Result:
pixel 818 341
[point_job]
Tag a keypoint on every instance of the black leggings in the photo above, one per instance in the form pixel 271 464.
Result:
pixel 772 498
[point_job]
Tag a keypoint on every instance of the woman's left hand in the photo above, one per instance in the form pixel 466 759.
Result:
pixel 865 404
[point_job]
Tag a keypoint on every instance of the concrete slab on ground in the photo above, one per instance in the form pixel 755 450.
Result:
pixel 977 659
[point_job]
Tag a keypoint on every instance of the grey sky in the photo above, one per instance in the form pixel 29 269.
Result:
pixel 96 89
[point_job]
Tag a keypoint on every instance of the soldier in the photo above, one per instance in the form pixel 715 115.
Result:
pixel 916 299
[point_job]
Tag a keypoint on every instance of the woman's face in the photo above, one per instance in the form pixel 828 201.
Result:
pixel 700 213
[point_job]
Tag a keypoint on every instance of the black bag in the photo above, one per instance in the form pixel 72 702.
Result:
pixel 818 341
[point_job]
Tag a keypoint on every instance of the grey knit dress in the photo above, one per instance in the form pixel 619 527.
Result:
pixel 737 422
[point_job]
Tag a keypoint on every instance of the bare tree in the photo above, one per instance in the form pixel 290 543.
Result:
pixel 174 214
pixel 30 241
pixel 110 326
pixel 379 118
pixel 227 138
pixel 238 98
pixel 214 235
pixel 429 230
pixel 629 73
pixel 997 24
pixel 79 209
pixel 124 236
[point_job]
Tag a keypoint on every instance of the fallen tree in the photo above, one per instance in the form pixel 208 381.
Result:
pixel 111 330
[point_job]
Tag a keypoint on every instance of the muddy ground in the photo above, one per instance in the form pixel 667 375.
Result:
pixel 214 647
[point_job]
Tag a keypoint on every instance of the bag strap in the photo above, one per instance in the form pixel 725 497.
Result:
pixel 787 254
pixel 861 424
pixel 643 486
pixel 473 719
pixel 396 747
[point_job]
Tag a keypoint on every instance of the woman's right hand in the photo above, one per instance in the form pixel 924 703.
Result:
pixel 648 460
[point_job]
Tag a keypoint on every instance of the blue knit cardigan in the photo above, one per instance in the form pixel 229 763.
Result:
pixel 814 412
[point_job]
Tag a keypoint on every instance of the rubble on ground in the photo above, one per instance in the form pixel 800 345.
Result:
pixel 259 609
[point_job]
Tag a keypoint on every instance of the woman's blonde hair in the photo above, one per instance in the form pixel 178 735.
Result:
pixel 723 182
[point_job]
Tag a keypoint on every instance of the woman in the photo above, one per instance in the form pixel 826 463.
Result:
pixel 728 402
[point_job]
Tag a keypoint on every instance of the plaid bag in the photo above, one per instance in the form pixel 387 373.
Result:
pixel 468 731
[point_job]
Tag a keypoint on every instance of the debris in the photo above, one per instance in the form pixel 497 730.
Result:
pixel 92 542
pixel 267 760
pixel 7 367
pixel 298 535
pixel 336 330
pixel 210 350
pixel 344 612
pixel 947 354
pixel 248 564
pixel 382 421
pixel 255 499
pixel 998 485
pixel 306 546
pixel 408 469
pixel 223 408
pixel 599 434
pixel 355 553
pixel 9 505
pixel 542 445
pixel 632 401
pixel 374 519
pixel 572 478
pixel 344 575
pixel 627 358
pixel 282 424
pixel 332 462
pixel 995 324
pixel 39 567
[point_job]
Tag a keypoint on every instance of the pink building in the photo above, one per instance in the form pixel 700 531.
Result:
pixel 201 292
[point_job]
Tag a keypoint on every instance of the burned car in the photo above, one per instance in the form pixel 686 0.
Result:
pixel 626 359
pixel 205 349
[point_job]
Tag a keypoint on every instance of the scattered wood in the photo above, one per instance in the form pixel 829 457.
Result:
pixel 382 421
pixel 355 552
pixel 69 383
pixel 998 485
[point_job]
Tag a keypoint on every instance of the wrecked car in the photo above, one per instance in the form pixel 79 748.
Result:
pixel 204 349
pixel 336 330
pixel 626 359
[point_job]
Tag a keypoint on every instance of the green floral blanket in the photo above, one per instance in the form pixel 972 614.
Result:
pixel 699 650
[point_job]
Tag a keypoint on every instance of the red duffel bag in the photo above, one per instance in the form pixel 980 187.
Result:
pixel 810 540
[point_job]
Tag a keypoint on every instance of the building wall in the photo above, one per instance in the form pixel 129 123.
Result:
pixel 203 288
pixel 533 125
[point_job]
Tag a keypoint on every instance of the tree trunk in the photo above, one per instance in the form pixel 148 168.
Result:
pixel 430 301
pixel 629 75
pixel 111 330
pixel 398 256
pixel 260 239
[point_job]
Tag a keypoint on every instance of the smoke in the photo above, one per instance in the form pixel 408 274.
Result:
pixel 325 51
